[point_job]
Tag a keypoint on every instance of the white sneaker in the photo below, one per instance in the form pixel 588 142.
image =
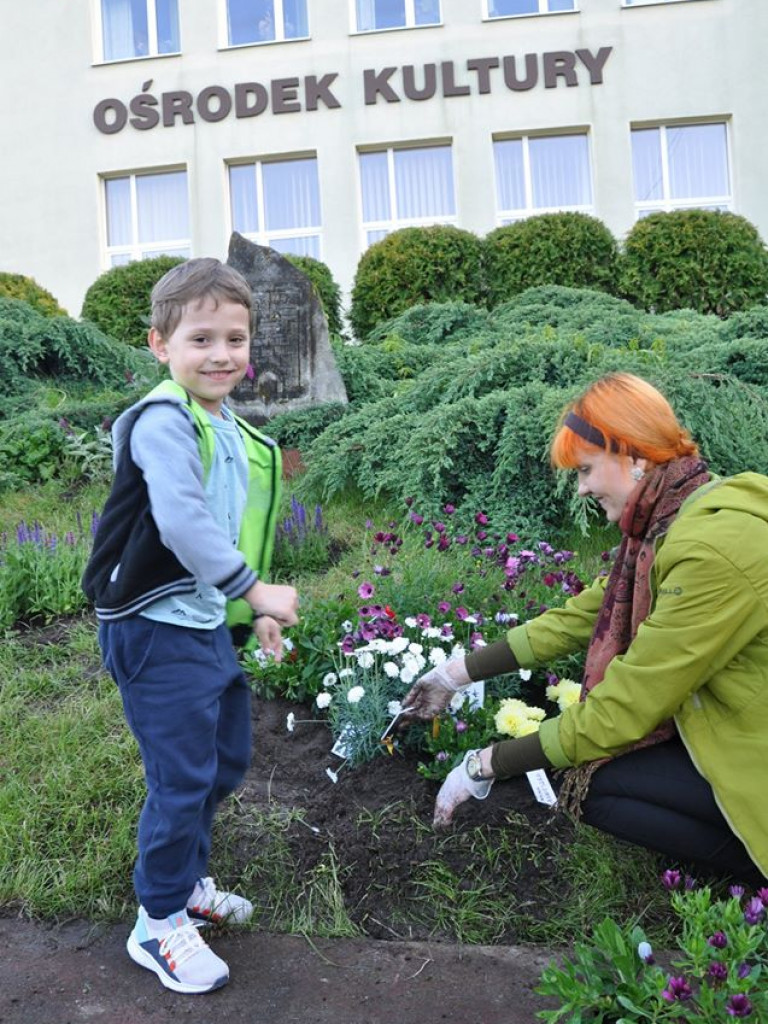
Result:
pixel 179 957
pixel 208 904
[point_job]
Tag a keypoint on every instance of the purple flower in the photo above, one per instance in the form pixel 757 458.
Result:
pixel 461 726
pixel 441 756
pixel 717 971
pixel 348 644
pixel 66 426
pixel 457 588
pixel 439 527
pixel 481 519
pixel 462 538
pixel 381 570
pixel 671 879
pixel 754 911
pixel 763 895
pixel 545 549
pixel 429 543
pixel 368 631
pixel 449 509
pixel 409 502
pixel 461 614
pixel 678 989
pixel 605 555
pixel 250 373
pixel 481 534
pixel 690 882
pixel 444 543
pixel 738 1005
pixel 743 971
pixel 719 940
pixel 736 890
pixel 423 620
pixel 443 607
pixel 512 538
pixel 416 518
pixel 476 640
pixel 365 590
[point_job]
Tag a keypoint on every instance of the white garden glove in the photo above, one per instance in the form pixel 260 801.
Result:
pixel 432 692
pixel 457 788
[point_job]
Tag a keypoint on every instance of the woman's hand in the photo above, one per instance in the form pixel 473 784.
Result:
pixel 432 692
pixel 459 787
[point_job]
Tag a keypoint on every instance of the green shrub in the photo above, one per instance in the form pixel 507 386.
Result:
pixel 412 266
pixel 118 302
pixel 298 428
pixel 570 249
pixel 327 289
pixel 26 289
pixel 432 324
pixel 705 260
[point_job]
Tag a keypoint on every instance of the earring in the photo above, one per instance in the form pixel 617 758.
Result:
pixel 636 473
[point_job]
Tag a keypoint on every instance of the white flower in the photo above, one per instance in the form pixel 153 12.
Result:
pixel 413 662
pixel 394 707
pixel 287 643
pixel 415 648
pixel 479 642
pixel 365 659
pixel 456 701
pixel 525 674
pixel 437 656
pixel 346 626
pixel 331 775
pixel 411 622
pixel 645 952
pixel 346 673
pixel 399 644
pixel 290 722
pixel 323 699
pixel 330 679
pixel 457 651
pixel 471 619
pixel 355 694
pixel 391 669
pixel 431 633
pixel 408 675
pixel 378 645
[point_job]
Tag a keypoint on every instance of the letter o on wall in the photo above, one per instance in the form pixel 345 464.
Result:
pixel 105 124
pixel 222 107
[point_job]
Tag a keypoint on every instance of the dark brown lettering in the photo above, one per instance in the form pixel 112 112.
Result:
pixel 115 123
pixel 594 63
pixel 531 73
pixel 316 90
pixel 243 105
pixel 427 91
pixel 483 67
pixel 560 64
pixel 449 83
pixel 223 103
pixel 285 95
pixel 375 83
pixel 177 104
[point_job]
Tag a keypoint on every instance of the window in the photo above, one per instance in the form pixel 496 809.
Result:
pixel 147 215
pixel 277 203
pixel 542 174
pixel 266 21
pixel 509 8
pixel 378 14
pixel 681 166
pixel 139 28
pixel 406 187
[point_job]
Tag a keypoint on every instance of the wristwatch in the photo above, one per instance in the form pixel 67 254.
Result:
pixel 474 766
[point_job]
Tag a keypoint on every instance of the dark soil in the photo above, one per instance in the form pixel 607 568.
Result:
pixel 376 821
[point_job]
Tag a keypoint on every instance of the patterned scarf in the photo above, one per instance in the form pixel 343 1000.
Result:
pixel 648 514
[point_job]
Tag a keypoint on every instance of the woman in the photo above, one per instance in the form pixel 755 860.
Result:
pixel 671 733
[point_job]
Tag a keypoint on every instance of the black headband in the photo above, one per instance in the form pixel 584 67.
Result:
pixel 587 432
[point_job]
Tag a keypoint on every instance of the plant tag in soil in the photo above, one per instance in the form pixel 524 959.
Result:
pixel 541 787
pixel 340 748
pixel 404 714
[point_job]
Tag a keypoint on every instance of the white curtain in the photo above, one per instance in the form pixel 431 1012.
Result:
pixel 118 193
pixel 646 164
pixel 162 206
pixel 291 195
pixel 510 177
pixel 424 182
pixel 698 161
pixel 560 174
pixel 374 180
pixel 124 28
pixel 243 199
pixel 373 14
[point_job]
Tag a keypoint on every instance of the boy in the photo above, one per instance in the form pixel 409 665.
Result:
pixel 187 529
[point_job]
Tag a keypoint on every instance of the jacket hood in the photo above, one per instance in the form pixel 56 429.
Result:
pixel 745 492
pixel 121 428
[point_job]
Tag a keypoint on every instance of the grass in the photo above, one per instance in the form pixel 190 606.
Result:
pixel 71 785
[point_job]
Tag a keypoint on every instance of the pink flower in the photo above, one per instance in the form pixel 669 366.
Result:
pixel 365 590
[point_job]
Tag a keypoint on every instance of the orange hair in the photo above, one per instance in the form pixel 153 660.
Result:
pixel 634 418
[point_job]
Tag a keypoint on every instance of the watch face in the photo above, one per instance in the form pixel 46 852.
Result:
pixel 474 767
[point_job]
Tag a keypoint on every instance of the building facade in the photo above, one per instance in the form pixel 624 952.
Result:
pixel 139 127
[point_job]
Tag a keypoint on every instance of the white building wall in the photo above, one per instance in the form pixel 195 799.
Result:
pixel 693 59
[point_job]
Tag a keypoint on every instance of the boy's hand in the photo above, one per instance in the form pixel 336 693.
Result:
pixel 276 600
pixel 270 636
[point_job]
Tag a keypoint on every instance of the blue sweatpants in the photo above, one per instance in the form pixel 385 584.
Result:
pixel 188 704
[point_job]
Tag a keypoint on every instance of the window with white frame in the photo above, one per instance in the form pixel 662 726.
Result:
pixel 147 215
pixel 405 188
pixel 266 21
pixel 509 8
pixel 681 166
pixel 139 28
pixel 542 174
pixel 277 203
pixel 373 15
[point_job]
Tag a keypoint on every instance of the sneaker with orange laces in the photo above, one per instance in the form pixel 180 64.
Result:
pixel 173 949
pixel 209 905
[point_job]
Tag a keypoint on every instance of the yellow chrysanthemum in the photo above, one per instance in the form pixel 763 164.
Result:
pixel 508 719
pixel 536 714
pixel 527 727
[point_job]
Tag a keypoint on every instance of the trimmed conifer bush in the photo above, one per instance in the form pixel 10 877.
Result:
pixel 571 249
pixel 26 289
pixel 327 289
pixel 705 260
pixel 118 302
pixel 412 266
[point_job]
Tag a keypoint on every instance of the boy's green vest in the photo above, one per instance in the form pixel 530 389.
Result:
pixel 257 532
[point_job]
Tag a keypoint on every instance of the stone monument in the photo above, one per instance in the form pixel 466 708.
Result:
pixel 291 355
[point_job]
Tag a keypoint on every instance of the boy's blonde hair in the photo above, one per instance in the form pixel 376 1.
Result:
pixel 192 282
